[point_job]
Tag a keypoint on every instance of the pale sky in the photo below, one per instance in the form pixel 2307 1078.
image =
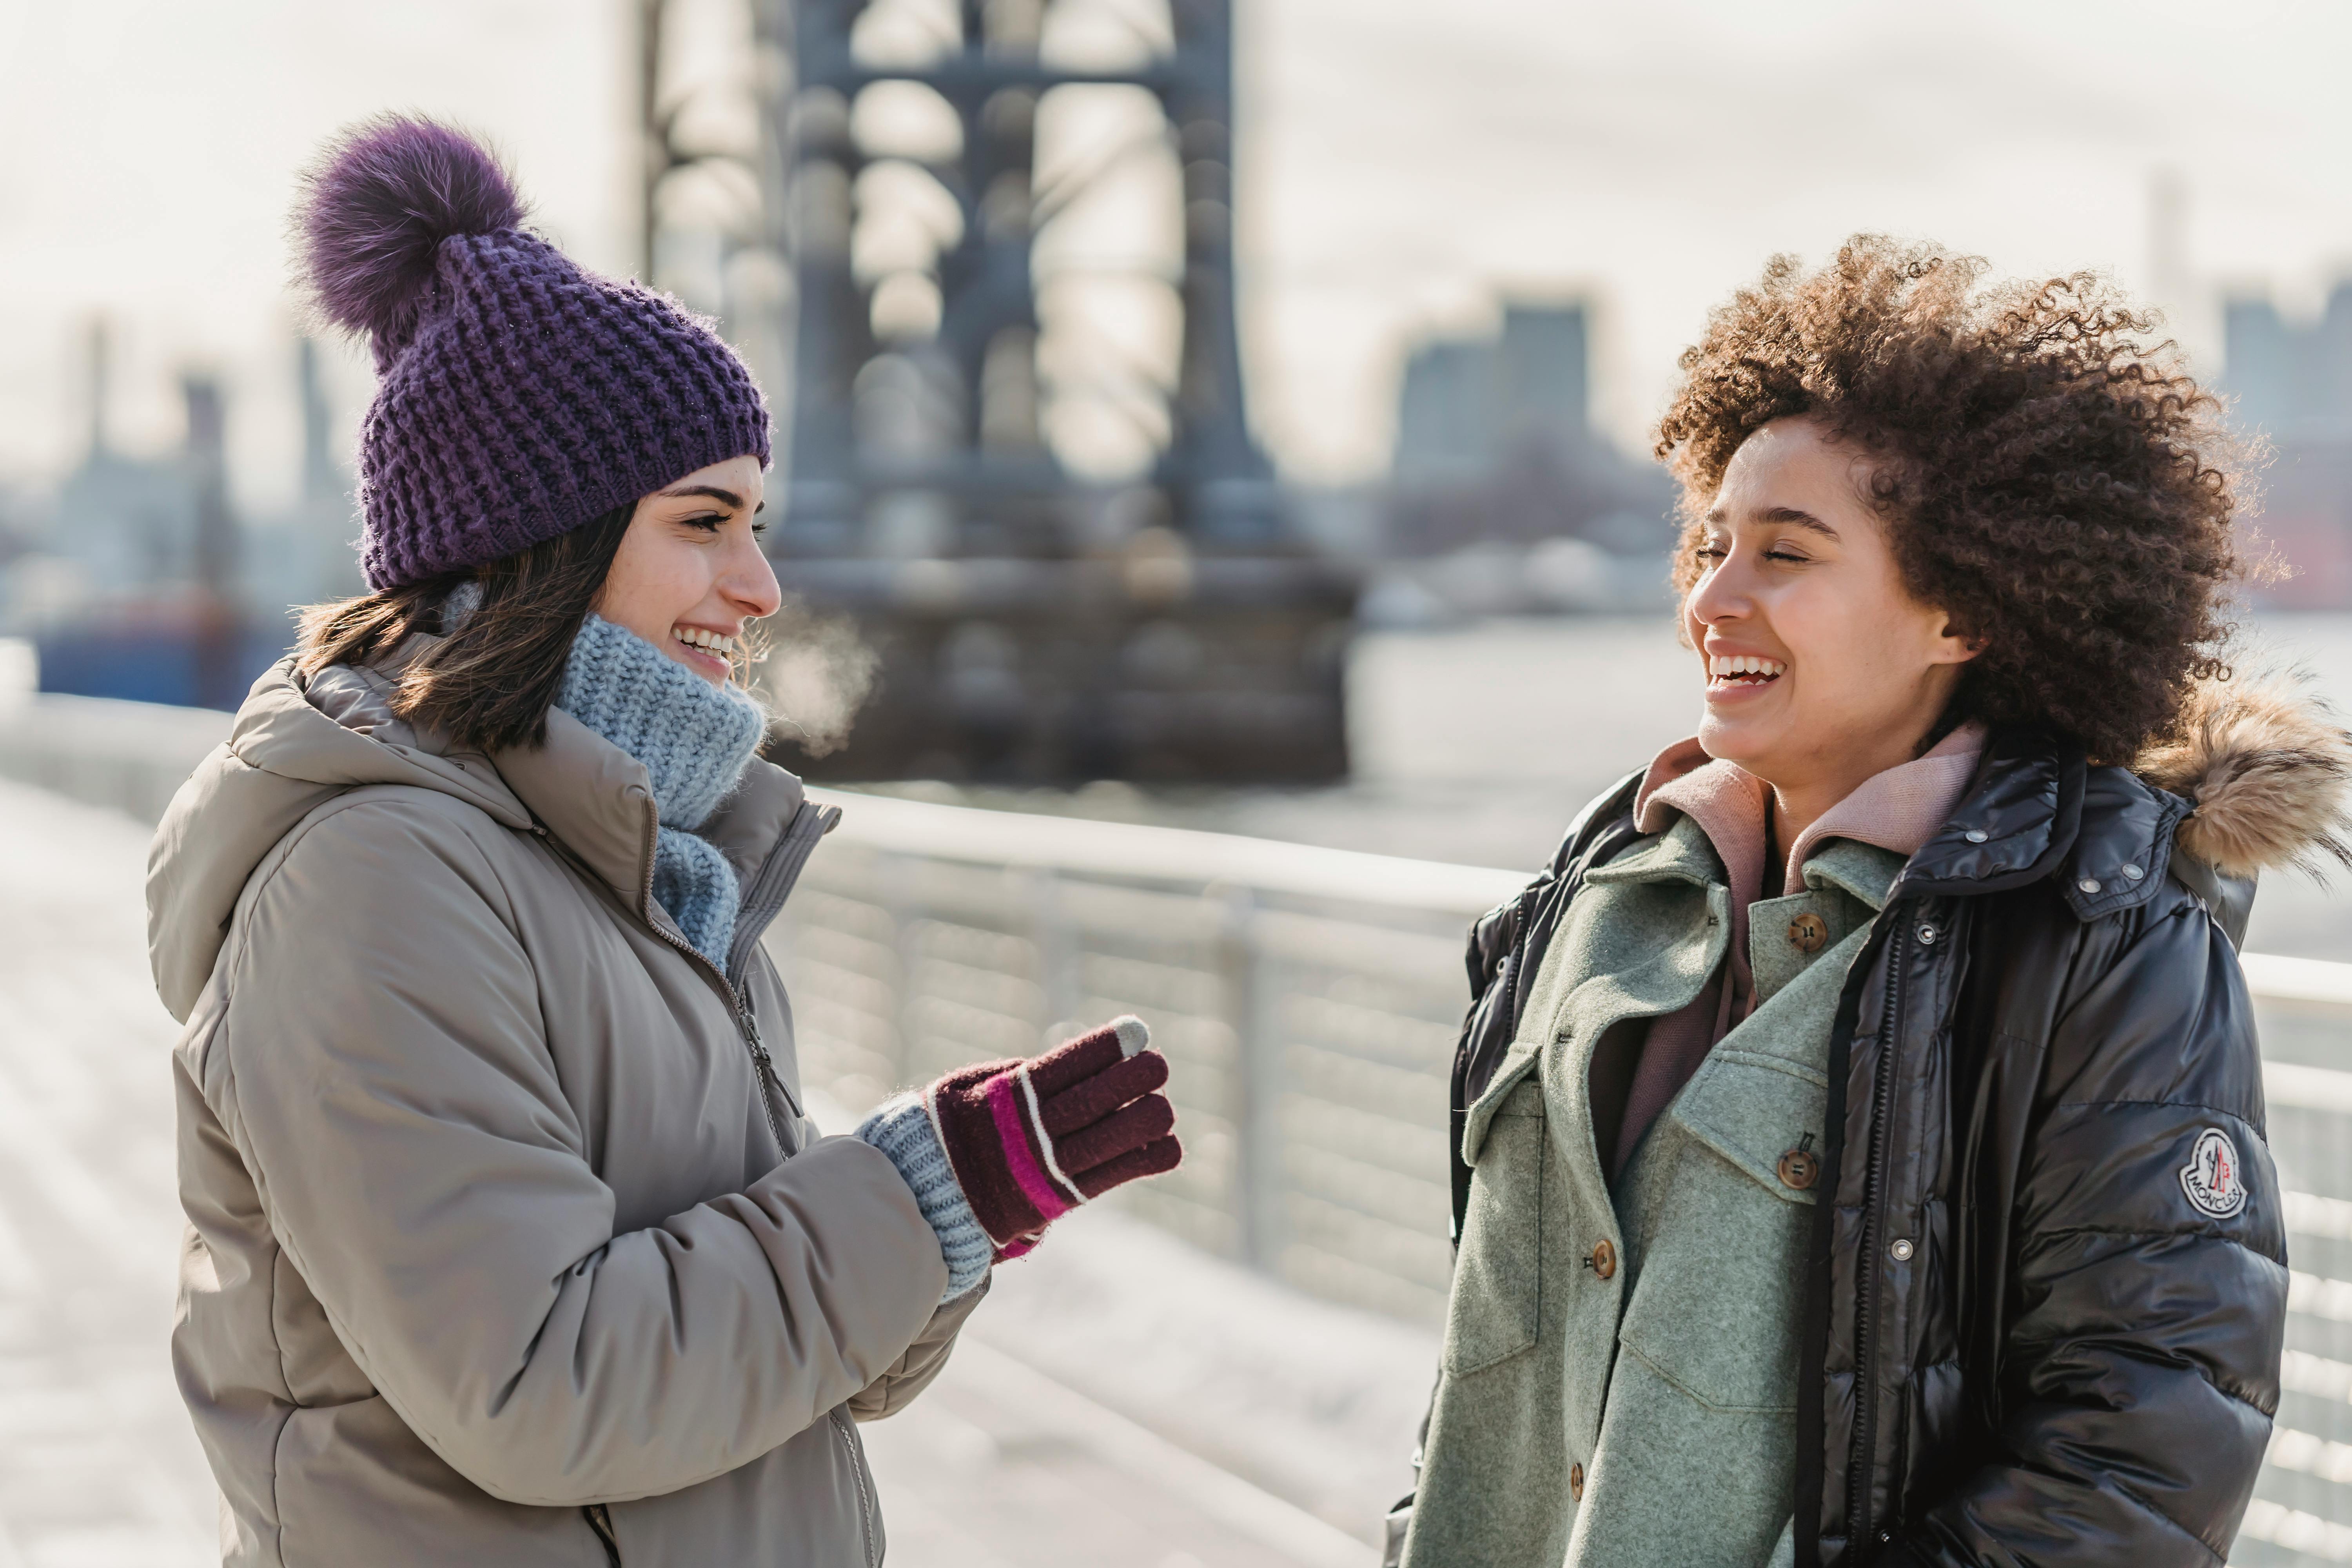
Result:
pixel 1401 162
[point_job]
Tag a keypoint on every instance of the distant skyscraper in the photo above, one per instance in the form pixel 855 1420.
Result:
pixel 1463 400
pixel 2291 382
pixel 1446 411
pixel 322 480
pixel 2292 385
pixel 101 364
pixel 1495 443
pixel 127 525
pixel 1544 365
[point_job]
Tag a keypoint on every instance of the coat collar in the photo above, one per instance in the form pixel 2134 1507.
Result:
pixel 590 796
pixel 2036 810
pixel 2033 810
pixel 598 802
pixel 1682 852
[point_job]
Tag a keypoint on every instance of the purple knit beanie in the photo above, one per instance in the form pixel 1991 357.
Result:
pixel 520 396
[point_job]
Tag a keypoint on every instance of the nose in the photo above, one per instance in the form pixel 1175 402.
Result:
pixel 1721 595
pixel 748 582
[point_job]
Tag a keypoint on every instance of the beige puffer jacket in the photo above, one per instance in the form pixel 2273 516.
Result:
pixel 503 1248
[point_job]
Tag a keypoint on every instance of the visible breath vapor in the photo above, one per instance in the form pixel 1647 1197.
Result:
pixel 815 675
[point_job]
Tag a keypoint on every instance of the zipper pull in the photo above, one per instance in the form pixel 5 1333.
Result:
pixel 764 1069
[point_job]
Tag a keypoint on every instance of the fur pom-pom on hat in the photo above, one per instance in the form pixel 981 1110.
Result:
pixel 376 206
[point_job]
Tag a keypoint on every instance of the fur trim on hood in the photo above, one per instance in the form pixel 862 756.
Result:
pixel 2267 768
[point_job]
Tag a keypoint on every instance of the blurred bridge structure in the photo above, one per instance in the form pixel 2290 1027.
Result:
pixel 991 234
pixel 1250 1392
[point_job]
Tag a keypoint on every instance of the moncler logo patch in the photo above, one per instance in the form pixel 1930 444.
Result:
pixel 2211 1178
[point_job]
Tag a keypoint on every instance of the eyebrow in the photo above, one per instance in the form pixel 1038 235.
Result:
pixel 713 492
pixel 1786 514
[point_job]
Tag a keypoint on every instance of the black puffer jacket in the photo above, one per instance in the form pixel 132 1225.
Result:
pixel 2045 1309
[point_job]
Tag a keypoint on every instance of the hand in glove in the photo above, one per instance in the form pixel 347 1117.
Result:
pixel 994 1153
pixel 1030 1139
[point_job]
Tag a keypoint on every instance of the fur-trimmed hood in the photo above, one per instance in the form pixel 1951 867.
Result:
pixel 2268 770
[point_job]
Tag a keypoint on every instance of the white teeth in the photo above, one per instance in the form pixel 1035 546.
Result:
pixel 1727 666
pixel 695 637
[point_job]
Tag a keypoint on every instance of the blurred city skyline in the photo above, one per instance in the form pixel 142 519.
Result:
pixel 1401 171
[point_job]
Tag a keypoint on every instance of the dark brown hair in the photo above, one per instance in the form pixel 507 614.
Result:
pixel 2050 476
pixel 488 685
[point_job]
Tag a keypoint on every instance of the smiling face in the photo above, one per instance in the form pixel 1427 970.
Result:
pixel 689 574
pixel 1820 668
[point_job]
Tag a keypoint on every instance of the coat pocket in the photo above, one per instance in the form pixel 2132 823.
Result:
pixel 1716 1308
pixel 1497 1279
pixel 1761 1113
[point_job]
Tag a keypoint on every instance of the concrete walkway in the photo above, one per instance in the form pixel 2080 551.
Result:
pixel 98 1464
pixel 1073 1431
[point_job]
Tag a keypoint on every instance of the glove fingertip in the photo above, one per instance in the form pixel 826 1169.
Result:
pixel 1156 1158
pixel 1160 1114
pixel 1134 1033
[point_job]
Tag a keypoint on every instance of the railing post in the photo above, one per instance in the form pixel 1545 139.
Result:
pixel 893 876
pixel 1057 954
pixel 1258 1123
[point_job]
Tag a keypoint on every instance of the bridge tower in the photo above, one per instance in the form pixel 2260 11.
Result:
pixel 1027 623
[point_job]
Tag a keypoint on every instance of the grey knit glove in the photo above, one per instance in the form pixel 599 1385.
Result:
pixel 902 1129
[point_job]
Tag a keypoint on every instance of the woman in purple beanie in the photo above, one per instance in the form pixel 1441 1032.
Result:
pixel 511 1240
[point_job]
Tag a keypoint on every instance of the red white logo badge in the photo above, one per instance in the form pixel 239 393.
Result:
pixel 2211 1178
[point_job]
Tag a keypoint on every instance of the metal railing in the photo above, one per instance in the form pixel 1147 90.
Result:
pixel 1306 1000
pixel 2302 1510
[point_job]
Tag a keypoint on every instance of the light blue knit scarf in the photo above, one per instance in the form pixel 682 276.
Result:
pixel 695 740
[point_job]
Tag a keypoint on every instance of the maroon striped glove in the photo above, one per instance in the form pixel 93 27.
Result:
pixel 1030 1139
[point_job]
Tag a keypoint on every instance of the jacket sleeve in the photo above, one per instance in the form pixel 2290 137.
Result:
pixel 384 1073
pixel 2140 1367
pixel 924 1359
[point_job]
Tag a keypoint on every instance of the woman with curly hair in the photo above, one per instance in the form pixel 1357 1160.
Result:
pixel 1858 1127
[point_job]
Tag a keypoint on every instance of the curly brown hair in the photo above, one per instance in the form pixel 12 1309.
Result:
pixel 2051 476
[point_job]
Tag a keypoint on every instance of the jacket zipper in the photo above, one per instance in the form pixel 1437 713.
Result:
pixel 746 1023
pixel 600 1520
pixel 774 882
pixel 866 1519
pixel 765 1066
pixel 1516 955
pixel 1866 1409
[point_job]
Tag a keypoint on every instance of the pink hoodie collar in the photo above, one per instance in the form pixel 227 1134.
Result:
pixel 1897 810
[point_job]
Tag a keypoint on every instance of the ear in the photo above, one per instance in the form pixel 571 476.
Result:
pixel 1954 645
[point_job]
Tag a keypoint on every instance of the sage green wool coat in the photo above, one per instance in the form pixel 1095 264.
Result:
pixel 1669 1385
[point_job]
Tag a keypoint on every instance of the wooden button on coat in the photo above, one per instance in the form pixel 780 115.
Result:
pixel 1799 1168
pixel 1576 1482
pixel 1604 1260
pixel 1807 932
